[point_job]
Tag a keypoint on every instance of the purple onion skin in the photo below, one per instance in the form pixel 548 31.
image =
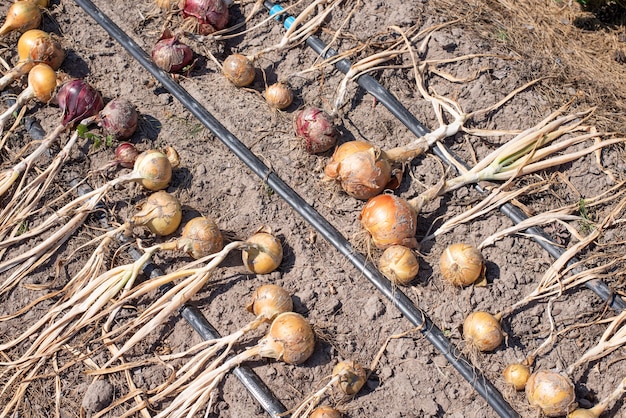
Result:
pixel 171 55
pixel 317 129
pixel 78 100
pixel 119 118
pixel 212 15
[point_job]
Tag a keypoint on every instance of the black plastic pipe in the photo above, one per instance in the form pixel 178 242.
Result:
pixel 372 86
pixel 196 319
pixel 415 315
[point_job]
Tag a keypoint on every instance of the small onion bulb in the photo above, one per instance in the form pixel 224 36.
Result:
pixel 399 264
pixel 264 254
pixel 126 154
pixel 279 96
pixel 516 375
pixel 161 213
pixel 325 411
pixel 201 237
pixel 482 331
pixel 462 264
pixel 551 392
pixel 290 339
pixel 154 169
pixel 43 81
pixel 390 220
pixel 268 301
pixel 317 129
pixel 239 70
pixel 351 376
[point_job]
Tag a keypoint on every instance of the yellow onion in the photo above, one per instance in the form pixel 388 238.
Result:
pixel 585 413
pixel 482 331
pixel 268 301
pixel 360 169
pixel 154 169
pixel 290 339
pixel 264 253
pixel 201 237
pixel 41 3
pixel 390 220
pixel 351 376
pixel 161 213
pixel 278 96
pixel 551 392
pixel 239 70
pixel 516 375
pixel 399 264
pixel 43 81
pixel 38 46
pixel 325 411
pixel 462 264
pixel 22 16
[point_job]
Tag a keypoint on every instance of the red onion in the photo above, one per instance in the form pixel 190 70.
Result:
pixel 211 15
pixel 119 118
pixel 170 54
pixel 317 129
pixel 78 100
pixel 126 154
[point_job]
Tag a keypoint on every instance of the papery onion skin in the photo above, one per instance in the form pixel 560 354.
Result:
pixel 211 15
pixel 551 392
pixel 462 264
pixel 43 80
pixel 268 301
pixel 399 264
pixel 325 411
pixel 201 237
pixel 353 376
pixel 170 54
pixel 264 255
pixel 78 100
pixel 483 331
pixel 38 46
pixel 239 70
pixel 516 375
pixel 119 118
pixel 279 96
pixel 390 220
pixel 154 168
pixel 22 16
pixel 317 128
pixel 583 413
pixel 360 169
pixel 126 154
pixel 290 339
pixel 161 213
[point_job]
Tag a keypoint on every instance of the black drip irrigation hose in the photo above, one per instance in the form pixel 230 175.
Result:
pixel 194 317
pixel 415 315
pixel 372 86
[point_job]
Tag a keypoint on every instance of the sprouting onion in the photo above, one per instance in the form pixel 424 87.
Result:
pixel 34 46
pixel 348 375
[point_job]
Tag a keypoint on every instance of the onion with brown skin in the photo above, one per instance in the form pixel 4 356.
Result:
pixel 22 16
pixel 325 411
pixel 264 254
pixel 239 70
pixel 462 264
pixel 200 237
pixel 551 392
pixel 399 264
pixel 317 129
pixel 482 331
pixel 268 301
pixel 279 96
pixel 161 213
pixel 516 375
pixel 154 170
pixel 390 220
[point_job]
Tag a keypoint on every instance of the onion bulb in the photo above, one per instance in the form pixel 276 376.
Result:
pixel 390 220
pixel 78 100
pixel 317 128
pixel 22 16
pixel 239 70
pixel 585 413
pixel 263 254
pixel 172 155
pixel 551 392
pixel 483 331
pixel 268 301
pixel 360 169
pixel 462 264
pixel 290 339
pixel 325 411
pixel 399 264
pixel 516 375
pixel 170 54
pixel 350 375
pixel 43 81
pixel 161 213
pixel 38 46
pixel 119 118
pixel 154 169
pixel 201 237
pixel 279 96
pixel 126 154
pixel 207 16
